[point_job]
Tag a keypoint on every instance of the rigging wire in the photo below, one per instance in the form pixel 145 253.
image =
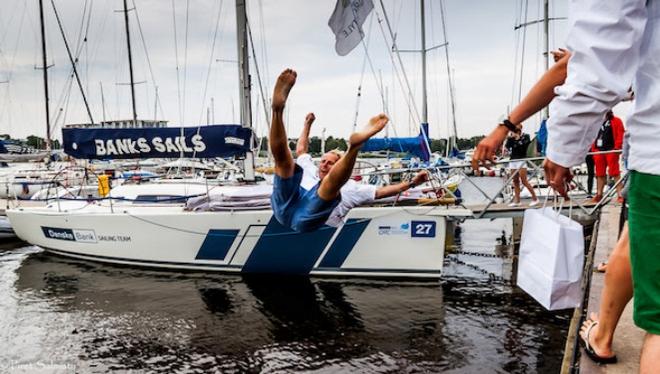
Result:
pixel 409 98
pixel 73 62
pixel 259 80
pixel 210 64
pixel 379 83
pixel 522 55
pixel 364 66
pixel 264 50
pixel 146 53
pixel 185 60
pixel 515 55
pixel 65 95
pixel 449 75
pixel 176 58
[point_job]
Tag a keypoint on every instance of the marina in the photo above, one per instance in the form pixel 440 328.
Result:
pixel 195 216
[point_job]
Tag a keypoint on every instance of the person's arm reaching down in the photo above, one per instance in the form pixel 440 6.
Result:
pixel 395 189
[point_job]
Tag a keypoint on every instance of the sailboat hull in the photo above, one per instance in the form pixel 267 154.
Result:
pixel 374 242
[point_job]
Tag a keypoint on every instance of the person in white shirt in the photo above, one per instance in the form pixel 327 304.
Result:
pixel 353 194
pixel 614 43
pixel 294 207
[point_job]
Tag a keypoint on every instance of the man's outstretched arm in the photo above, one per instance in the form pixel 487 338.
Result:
pixel 538 97
pixel 395 189
pixel 302 146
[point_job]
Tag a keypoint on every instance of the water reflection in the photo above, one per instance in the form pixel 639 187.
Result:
pixel 109 318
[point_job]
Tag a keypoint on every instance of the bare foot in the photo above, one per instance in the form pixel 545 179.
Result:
pixel 375 124
pixel 285 81
pixel 600 349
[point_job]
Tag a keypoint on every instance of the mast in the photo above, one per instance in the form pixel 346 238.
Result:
pixel 45 67
pixel 130 63
pixel 424 91
pixel 244 81
pixel 102 100
pixel 452 140
pixel 546 34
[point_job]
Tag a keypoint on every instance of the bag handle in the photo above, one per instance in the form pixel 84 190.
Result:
pixel 561 202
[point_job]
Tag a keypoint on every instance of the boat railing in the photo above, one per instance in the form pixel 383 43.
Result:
pixel 441 173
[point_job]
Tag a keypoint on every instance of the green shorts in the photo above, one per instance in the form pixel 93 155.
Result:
pixel 644 226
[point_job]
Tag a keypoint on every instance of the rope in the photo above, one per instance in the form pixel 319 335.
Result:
pixel 146 53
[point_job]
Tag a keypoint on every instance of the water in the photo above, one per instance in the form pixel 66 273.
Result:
pixel 63 315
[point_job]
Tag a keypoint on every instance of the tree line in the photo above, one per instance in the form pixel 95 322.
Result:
pixel 437 145
pixel 33 141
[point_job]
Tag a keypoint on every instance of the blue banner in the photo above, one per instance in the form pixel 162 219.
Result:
pixel 199 142
pixel 416 146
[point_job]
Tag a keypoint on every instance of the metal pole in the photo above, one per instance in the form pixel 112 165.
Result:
pixel 244 80
pixel 156 106
pixel 323 141
pixel 424 91
pixel 212 111
pixel 546 29
pixel 45 66
pixel 102 101
pixel 449 80
pixel 130 63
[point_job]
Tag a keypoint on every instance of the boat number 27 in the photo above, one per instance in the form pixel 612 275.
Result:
pixel 423 229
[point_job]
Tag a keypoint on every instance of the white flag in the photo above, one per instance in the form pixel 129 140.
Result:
pixel 346 22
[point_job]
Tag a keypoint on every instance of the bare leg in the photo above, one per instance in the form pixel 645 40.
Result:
pixel 523 179
pixel 516 186
pixel 279 144
pixel 600 185
pixel 615 295
pixel 650 361
pixel 341 171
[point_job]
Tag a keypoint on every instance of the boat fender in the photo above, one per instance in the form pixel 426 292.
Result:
pixel 104 185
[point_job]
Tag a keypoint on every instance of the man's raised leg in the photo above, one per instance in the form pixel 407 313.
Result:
pixel 279 144
pixel 341 171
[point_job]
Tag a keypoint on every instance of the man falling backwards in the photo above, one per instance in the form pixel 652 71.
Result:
pixel 293 206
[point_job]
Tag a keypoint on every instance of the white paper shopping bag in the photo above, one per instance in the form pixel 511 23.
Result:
pixel 551 258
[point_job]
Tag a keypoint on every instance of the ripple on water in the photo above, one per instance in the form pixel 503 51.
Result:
pixel 111 318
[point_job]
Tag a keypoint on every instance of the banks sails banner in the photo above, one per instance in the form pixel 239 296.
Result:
pixel 198 142
pixel 346 22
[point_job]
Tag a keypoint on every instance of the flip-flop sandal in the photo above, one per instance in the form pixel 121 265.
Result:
pixel 589 350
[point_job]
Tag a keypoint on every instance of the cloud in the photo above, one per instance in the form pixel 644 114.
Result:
pixel 292 33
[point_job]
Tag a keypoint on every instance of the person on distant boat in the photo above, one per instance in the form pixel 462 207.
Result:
pixel 517 144
pixel 353 194
pixel 293 206
pixel 610 138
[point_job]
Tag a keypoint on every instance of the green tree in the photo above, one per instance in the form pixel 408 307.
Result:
pixel 35 142
pixel 314 145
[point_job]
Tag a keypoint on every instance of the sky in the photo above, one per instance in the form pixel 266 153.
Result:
pixel 187 49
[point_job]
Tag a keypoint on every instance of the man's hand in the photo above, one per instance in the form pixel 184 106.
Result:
pixel 488 146
pixel 557 177
pixel 309 119
pixel 420 178
pixel 559 54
